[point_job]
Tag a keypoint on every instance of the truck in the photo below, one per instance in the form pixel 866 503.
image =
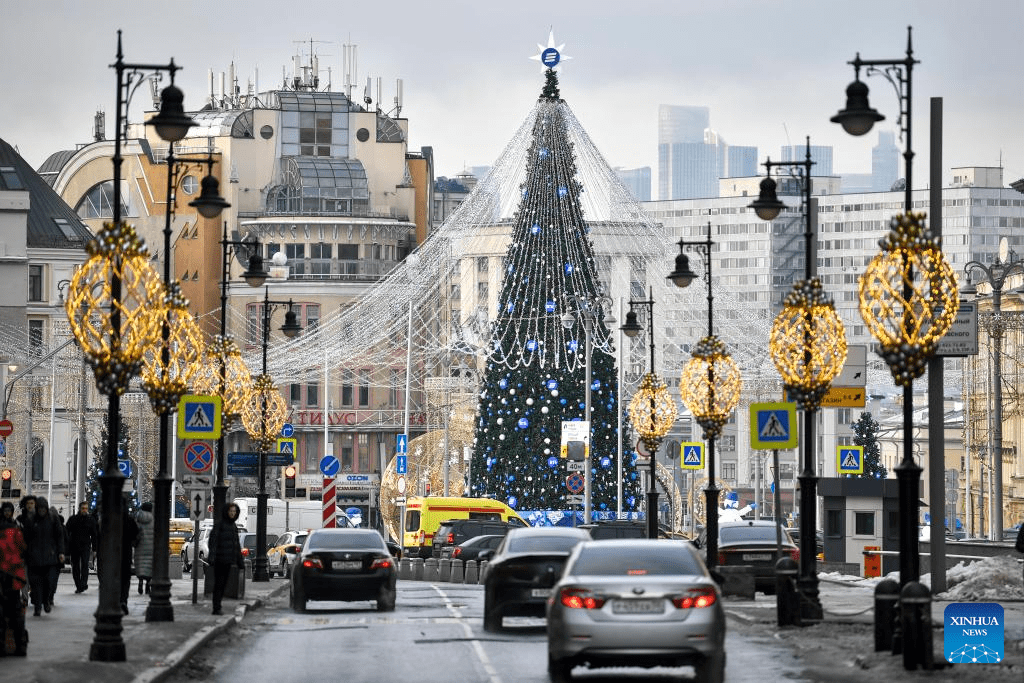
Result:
pixel 285 516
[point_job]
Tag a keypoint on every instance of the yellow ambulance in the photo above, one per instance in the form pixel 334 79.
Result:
pixel 423 515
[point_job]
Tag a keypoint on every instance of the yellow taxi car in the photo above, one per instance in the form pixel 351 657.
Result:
pixel 282 556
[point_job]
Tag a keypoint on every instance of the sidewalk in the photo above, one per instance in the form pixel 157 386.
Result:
pixel 59 642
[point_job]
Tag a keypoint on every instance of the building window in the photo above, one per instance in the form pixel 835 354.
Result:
pixel 37 459
pixel 313 395
pixel 296 254
pixel 394 387
pixel 481 264
pixel 312 317
pixel 834 523
pixel 320 255
pixel 864 523
pixel 346 389
pixel 346 453
pixel 35 283
pixel 35 337
pixel 363 441
pixel 314 134
pixel 729 471
pixel 364 388
pixel 481 291
pixel 254 324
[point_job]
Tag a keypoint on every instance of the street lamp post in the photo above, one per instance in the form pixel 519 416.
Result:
pixel 710 384
pixel 254 276
pixel 263 416
pixel 590 310
pixel 995 276
pixel 652 410
pixel 170 369
pixel 129 309
pixel 808 347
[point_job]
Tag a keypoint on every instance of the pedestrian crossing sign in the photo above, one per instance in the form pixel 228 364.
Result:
pixel 287 445
pixel 199 417
pixel 773 426
pixel 691 456
pixel 850 459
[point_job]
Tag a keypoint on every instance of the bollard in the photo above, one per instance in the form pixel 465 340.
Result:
pixel 887 595
pixel 787 597
pixel 457 575
pixel 430 569
pixel 483 571
pixel 404 568
pixel 444 570
pixel 417 568
pixel 471 572
pixel 916 621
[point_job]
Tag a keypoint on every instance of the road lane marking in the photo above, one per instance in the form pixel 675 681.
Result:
pixel 470 636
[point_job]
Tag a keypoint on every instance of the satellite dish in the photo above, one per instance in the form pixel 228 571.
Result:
pixel 1004 249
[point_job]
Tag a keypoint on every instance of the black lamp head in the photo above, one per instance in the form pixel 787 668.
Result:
pixel 291 327
pixel 209 203
pixel 255 276
pixel 858 117
pixel 682 276
pixel 172 123
pixel 631 327
pixel 767 205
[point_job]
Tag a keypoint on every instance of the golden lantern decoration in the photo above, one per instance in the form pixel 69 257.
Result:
pixel 115 306
pixel 167 383
pixel 908 296
pixel 264 412
pixel 237 381
pixel 710 385
pixel 808 343
pixel 652 411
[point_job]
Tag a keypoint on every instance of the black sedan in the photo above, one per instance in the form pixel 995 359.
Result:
pixel 471 549
pixel 523 569
pixel 344 565
pixel 752 543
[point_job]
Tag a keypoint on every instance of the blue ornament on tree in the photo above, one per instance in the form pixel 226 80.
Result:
pixel 552 462
pixel 568 268
pixel 595 385
pixel 562 191
pixel 523 423
pixel 531 345
pixel 503 383
pixel 513 502
pixel 535 229
pixel 552 384
pixel 549 307
pixel 606 462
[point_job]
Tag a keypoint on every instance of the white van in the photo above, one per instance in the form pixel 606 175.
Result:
pixel 285 516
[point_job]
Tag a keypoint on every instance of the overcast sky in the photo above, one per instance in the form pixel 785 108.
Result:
pixel 770 72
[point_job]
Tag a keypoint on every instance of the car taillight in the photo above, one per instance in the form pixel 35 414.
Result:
pixel 312 563
pixel 795 554
pixel 696 597
pixel 451 538
pixel 245 552
pixel 721 558
pixel 381 563
pixel 581 598
pixel 419 537
pixel 456 553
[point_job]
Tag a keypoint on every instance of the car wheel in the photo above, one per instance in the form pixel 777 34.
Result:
pixel 559 670
pixel 711 669
pixel 386 600
pixel 492 614
pixel 284 568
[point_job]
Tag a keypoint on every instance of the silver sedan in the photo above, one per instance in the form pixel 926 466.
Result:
pixel 636 602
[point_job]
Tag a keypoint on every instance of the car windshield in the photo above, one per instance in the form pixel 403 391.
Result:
pixel 533 544
pixel 745 533
pixel 660 560
pixel 331 541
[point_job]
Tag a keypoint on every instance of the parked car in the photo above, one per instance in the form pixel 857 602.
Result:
pixel 636 602
pixel 247 539
pixel 794 533
pixel 281 557
pixel 452 532
pixel 618 528
pixel 523 569
pixel 471 549
pixel 751 542
pixel 344 564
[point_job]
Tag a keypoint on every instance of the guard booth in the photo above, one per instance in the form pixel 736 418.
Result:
pixel 860 513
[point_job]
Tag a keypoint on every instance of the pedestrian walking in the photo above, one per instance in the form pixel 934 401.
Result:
pixel 28 510
pixel 129 534
pixel 45 538
pixel 144 547
pixel 55 575
pixel 83 538
pixel 1019 545
pixel 13 577
pixel 225 552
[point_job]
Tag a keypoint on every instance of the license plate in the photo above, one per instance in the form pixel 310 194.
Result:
pixel 756 557
pixel 648 606
pixel 540 592
pixel 347 565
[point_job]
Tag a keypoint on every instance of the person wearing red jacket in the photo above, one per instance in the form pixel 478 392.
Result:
pixel 13 577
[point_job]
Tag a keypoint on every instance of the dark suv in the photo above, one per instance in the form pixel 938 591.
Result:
pixel 620 528
pixel 455 531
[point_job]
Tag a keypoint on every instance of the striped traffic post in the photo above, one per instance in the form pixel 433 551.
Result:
pixel 330 512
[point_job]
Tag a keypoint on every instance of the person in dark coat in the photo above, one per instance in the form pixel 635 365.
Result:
pixel 12 578
pixel 28 510
pixel 83 539
pixel 45 538
pixel 225 552
pixel 144 547
pixel 129 534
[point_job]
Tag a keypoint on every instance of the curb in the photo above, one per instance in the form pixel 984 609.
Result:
pixel 200 638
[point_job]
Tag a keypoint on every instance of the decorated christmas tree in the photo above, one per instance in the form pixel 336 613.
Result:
pixel 535 370
pixel 99 459
pixel 865 434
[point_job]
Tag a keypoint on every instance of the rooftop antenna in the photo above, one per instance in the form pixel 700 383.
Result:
pixel 154 89
pixel 99 129
pixel 349 67
pixel 366 94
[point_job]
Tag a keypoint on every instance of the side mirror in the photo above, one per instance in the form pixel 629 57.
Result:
pixel 485 555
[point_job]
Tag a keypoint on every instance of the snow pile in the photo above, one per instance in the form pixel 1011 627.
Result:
pixel 991 579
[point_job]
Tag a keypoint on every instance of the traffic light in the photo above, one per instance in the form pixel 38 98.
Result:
pixel 289 481
pixel 7 478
